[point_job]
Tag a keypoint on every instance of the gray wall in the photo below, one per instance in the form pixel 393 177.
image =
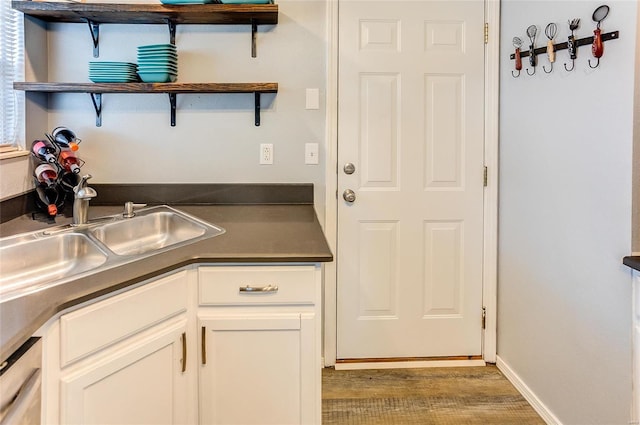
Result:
pixel 215 140
pixel 636 149
pixel 564 297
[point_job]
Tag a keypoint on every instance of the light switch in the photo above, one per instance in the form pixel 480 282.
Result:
pixel 311 153
pixel 313 99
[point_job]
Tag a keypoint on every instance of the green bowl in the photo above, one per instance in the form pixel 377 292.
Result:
pixel 157 77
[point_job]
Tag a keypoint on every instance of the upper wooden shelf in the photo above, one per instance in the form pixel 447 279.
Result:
pixel 114 13
pixel 147 87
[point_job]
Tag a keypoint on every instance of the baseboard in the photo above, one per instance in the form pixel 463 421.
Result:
pixel 408 364
pixel 526 392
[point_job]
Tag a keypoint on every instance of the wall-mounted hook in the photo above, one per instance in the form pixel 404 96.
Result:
pixel 517 43
pixel 550 31
pixel 532 31
pixel 573 65
pixel 597 48
pixel 574 24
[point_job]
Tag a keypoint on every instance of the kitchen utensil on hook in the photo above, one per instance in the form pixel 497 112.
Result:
pixel 597 48
pixel 550 31
pixel 517 43
pixel 532 31
pixel 574 24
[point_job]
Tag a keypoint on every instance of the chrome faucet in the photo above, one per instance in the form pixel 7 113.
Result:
pixel 82 195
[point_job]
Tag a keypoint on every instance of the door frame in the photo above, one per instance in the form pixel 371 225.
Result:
pixel 490 207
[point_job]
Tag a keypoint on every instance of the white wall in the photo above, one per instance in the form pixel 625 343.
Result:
pixel 215 140
pixel 15 177
pixel 564 312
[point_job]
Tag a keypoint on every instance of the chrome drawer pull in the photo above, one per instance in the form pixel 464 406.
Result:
pixel 252 289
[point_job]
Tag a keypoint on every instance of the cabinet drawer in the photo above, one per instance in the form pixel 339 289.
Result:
pixel 96 326
pixel 247 285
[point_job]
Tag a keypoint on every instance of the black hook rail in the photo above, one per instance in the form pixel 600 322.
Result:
pixel 586 41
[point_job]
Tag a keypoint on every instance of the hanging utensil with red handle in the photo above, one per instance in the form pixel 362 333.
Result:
pixel 597 48
pixel 517 43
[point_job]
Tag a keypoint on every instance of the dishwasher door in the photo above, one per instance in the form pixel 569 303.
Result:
pixel 20 384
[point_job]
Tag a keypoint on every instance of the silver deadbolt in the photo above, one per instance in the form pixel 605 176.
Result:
pixel 349 195
pixel 349 168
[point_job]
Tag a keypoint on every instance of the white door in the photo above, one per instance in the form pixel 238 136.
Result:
pixel 411 106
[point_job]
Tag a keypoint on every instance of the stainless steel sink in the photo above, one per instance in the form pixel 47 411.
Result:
pixel 150 230
pixel 34 261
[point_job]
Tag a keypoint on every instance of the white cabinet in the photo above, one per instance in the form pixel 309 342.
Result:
pixel 139 383
pixel 122 360
pixel 210 345
pixel 260 345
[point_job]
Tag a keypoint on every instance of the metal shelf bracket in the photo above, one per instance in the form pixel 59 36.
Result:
pixel 254 30
pixel 94 28
pixel 172 101
pixel 96 99
pixel 257 109
pixel 172 31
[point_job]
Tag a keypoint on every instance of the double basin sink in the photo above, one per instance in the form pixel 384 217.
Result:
pixel 32 261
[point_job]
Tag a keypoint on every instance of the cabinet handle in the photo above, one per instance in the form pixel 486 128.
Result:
pixel 184 352
pixel 258 289
pixel 204 345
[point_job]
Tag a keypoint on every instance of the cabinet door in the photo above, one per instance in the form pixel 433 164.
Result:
pixel 140 381
pixel 258 369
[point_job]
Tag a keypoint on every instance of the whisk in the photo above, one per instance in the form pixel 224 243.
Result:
pixel 550 31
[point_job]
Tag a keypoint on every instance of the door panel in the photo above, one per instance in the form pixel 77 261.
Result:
pixel 411 114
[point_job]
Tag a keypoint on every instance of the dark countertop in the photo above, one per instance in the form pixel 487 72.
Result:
pixel 254 233
pixel 632 261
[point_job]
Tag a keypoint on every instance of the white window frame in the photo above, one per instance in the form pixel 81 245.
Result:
pixel 12 132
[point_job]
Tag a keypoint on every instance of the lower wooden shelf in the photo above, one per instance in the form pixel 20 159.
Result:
pixel 96 90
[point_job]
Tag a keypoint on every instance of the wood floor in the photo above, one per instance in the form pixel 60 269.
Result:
pixel 450 396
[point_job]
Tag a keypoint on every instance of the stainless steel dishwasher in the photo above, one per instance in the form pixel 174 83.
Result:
pixel 20 384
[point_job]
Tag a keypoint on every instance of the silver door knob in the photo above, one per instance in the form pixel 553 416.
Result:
pixel 349 168
pixel 349 195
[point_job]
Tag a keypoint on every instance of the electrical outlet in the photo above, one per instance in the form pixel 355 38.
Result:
pixel 311 153
pixel 266 153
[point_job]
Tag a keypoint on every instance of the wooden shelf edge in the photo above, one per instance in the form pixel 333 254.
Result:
pixel 147 87
pixel 123 13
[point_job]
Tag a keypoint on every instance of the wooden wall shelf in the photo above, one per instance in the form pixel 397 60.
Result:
pixel 96 90
pixel 113 13
pixel 95 14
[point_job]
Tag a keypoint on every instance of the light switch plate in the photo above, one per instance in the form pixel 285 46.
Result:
pixel 311 153
pixel 313 99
